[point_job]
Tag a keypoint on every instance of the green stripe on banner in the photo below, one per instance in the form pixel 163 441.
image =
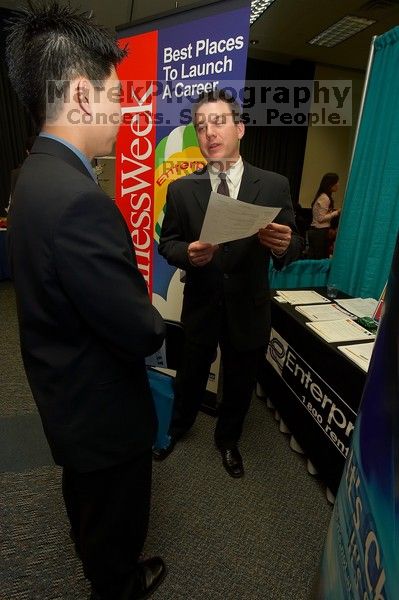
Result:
pixel 189 137
pixel 158 224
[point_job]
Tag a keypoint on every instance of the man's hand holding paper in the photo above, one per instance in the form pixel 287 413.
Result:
pixel 227 220
pixel 200 254
pixel 276 237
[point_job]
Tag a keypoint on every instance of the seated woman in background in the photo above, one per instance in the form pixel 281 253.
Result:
pixel 323 212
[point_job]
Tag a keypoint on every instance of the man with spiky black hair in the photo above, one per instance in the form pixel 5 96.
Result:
pixel 86 321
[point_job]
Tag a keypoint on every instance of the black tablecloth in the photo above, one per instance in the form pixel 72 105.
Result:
pixel 314 387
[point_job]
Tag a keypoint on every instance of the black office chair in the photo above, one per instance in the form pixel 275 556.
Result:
pixel 303 219
pixel 317 240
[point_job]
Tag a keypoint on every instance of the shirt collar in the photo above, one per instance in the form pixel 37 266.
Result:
pixel 233 173
pixel 74 149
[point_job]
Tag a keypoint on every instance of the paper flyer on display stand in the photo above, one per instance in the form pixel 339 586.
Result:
pixel 157 143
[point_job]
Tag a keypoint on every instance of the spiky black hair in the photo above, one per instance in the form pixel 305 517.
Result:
pixel 50 41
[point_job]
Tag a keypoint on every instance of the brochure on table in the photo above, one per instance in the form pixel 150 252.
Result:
pixel 302 297
pixel 343 330
pixel 360 307
pixel 359 354
pixel 321 312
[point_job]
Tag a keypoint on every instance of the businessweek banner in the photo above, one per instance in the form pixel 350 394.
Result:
pixel 361 556
pixel 171 60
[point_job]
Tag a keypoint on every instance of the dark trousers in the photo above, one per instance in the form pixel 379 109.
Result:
pixel 108 511
pixel 318 242
pixel 239 377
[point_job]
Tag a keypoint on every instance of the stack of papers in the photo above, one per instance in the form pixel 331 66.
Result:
pixel 302 297
pixel 321 312
pixel 344 330
pixel 359 354
pixel 361 307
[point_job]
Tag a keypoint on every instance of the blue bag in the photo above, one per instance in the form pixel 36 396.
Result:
pixel 163 393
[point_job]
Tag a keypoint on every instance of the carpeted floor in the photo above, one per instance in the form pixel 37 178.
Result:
pixel 259 538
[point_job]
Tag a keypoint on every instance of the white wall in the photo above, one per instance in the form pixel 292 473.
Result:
pixel 329 148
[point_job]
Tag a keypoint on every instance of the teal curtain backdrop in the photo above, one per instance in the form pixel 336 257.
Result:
pixel 300 274
pixel 370 217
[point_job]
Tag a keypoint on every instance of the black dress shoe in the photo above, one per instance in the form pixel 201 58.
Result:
pixel 150 574
pixel 162 453
pixel 232 462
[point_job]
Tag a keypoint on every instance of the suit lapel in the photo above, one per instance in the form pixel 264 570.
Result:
pixel 202 188
pixel 248 192
pixel 250 185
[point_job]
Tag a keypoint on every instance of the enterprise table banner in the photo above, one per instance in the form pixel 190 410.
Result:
pixel 361 556
pixel 171 60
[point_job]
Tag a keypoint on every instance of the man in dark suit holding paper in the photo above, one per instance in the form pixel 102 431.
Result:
pixel 226 295
pixel 86 320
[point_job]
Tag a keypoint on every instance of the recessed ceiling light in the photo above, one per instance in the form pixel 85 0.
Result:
pixel 258 7
pixel 340 31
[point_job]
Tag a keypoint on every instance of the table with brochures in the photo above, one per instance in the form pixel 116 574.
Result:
pixel 316 385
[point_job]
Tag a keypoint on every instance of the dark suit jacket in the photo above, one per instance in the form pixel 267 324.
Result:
pixel 86 321
pixel 234 285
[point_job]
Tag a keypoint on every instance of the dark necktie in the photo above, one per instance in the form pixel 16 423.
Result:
pixel 223 188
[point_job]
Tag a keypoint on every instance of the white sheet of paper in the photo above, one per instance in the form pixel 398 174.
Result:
pixel 361 307
pixel 359 354
pixel 227 219
pixel 280 299
pixel 321 312
pixel 302 297
pixel 344 330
